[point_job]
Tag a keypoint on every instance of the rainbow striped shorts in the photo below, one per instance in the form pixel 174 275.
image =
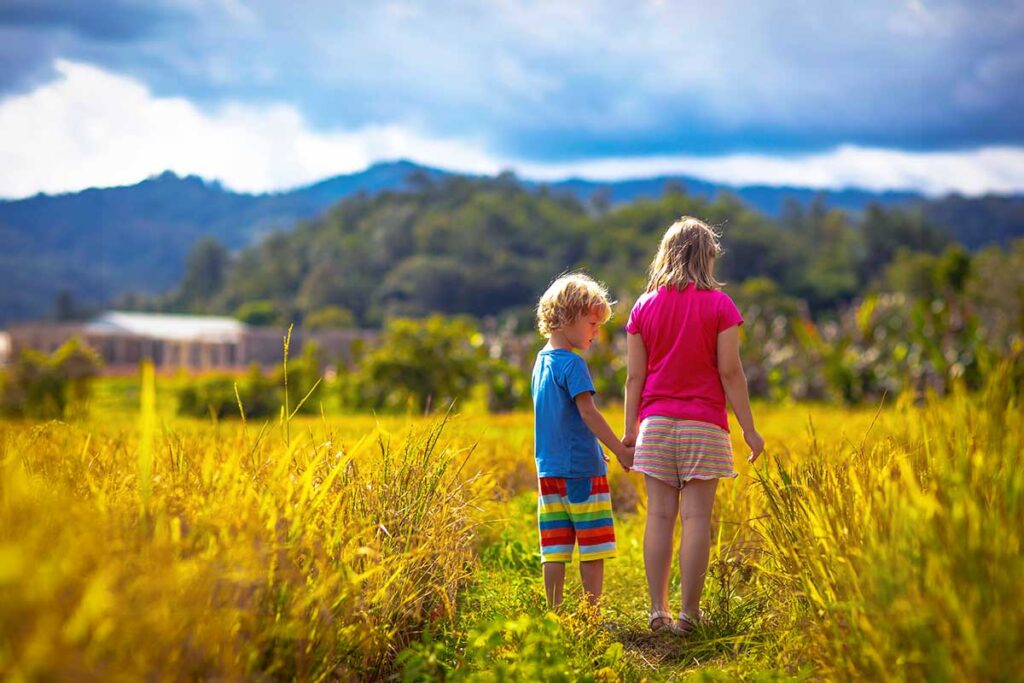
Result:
pixel 571 511
pixel 676 451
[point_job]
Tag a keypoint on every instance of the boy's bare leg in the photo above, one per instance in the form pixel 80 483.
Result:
pixel 662 507
pixel 554 582
pixel 592 577
pixel 695 513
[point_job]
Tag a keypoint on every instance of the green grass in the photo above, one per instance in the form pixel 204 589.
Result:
pixel 882 547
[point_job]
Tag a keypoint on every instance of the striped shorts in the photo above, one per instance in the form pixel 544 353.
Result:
pixel 676 451
pixel 576 510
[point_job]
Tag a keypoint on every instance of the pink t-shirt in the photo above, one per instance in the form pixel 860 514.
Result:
pixel 680 331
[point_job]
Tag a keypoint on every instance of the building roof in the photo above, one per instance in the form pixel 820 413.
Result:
pixel 168 326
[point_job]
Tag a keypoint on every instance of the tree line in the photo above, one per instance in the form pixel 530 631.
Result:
pixel 488 247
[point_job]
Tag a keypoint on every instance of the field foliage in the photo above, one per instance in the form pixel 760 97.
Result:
pixel 879 542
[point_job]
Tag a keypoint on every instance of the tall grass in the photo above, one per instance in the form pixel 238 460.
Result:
pixel 865 546
pixel 900 558
pixel 256 558
pixel 871 544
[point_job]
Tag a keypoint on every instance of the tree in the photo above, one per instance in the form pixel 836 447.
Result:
pixel 885 231
pixel 423 364
pixel 952 269
pixel 205 271
pixel 330 317
pixel 64 306
pixel 600 200
pixel 995 287
pixel 260 312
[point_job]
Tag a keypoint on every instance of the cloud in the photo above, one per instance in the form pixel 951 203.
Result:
pixel 94 128
pixel 570 81
pixel 104 20
pixel 968 172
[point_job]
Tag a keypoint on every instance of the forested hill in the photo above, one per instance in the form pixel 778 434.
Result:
pixel 100 244
pixel 490 246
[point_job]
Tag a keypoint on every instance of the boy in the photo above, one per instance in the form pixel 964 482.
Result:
pixel 574 504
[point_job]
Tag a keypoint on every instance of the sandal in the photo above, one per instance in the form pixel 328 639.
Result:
pixel 666 619
pixel 686 624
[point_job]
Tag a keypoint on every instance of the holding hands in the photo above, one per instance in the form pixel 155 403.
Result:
pixel 624 455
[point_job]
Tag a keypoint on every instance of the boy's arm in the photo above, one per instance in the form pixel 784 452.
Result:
pixel 595 421
pixel 636 375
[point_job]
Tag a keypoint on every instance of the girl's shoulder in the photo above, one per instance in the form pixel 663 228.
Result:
pixel 719 295
pixel 646 297
pixel 715 295
pixel 668 293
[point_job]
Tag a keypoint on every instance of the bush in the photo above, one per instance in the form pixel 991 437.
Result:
pixel 52 386
pixel 508 387
pixel 260 395
pixel 420 364
pixel 330 317
pixel 215 396
pixel 304 380
pixel 260 312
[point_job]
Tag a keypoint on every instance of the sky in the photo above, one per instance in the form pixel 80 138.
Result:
pixel 262 96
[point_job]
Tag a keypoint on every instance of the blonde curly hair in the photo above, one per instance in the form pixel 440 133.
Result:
pixel 568 299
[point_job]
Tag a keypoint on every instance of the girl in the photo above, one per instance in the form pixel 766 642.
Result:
pixel 682 363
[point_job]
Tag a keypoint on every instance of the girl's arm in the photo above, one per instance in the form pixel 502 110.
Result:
pixel 734 381
pixel 595 421
pixel 636 375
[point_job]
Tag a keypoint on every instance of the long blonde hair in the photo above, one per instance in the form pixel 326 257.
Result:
pixel 685 255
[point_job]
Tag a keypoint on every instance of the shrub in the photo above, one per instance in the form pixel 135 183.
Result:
pixel 420 364
pixel 52 386
pixel 215 396
pixel 260 395
pixel 330 317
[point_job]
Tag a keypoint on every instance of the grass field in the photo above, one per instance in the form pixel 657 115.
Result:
pixel 876 544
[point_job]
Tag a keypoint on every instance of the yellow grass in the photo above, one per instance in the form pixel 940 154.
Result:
pixel 866 545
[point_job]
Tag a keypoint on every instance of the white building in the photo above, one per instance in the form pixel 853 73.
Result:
pixel 187 342
pixel 5 349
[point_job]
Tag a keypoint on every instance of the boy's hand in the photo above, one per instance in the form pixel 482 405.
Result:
pixel 626 458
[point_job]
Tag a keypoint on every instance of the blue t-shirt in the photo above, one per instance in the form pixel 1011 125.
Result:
pixel 563 444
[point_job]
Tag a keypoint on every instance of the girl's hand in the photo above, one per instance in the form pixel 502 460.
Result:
pixel 755 443
pixel 629 439
pixel 626 458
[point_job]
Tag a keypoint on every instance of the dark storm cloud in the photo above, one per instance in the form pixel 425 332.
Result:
pixel 33 33
pixel 572 80
pixel 109 20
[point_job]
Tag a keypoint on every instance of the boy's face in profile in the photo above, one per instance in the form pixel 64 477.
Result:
pixel 583 332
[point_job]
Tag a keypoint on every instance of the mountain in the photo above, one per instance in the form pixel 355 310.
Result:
pixel 100 244
pixel 769 200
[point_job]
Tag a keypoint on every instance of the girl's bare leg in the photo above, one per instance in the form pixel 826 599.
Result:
pixel 662 507
pixel 554 582
pixel 695 514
